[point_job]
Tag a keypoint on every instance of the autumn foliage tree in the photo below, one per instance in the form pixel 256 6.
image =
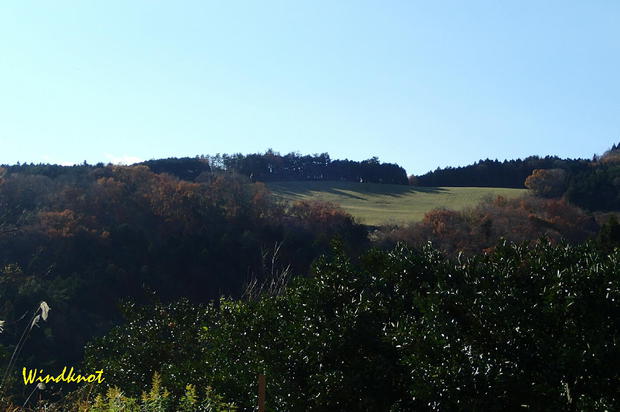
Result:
pixel 477 229
pixel 547 182
pixel 90 236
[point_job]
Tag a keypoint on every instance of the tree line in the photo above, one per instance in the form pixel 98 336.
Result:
pixel 272 166
pixel 593 184
pixel 258 167
pixel 495 173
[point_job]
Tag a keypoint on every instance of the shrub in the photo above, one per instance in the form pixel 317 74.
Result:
pixel 532 326
pixel 480 228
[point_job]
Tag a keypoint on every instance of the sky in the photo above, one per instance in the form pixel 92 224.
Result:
pixel 424 84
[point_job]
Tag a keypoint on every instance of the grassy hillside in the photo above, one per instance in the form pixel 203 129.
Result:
pixel 376 204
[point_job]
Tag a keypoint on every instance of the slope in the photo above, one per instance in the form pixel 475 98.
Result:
pixel 378 204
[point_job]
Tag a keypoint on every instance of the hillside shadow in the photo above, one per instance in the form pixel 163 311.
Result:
pixel 350 190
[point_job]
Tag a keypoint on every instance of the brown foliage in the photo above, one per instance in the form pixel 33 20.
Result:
pixel 320 213
pixel 610 156
pixel 60 224
pixel 547 182
pixel 478 229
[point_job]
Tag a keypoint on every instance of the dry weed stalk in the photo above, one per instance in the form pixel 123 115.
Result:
pixel 42 312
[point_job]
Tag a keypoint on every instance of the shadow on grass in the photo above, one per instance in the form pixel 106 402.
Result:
pixel 351 190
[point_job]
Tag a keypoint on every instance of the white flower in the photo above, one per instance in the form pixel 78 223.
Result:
pixel 44 309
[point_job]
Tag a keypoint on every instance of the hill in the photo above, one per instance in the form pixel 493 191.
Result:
pixel 376 204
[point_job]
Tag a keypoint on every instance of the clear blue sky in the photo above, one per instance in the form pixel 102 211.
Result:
pixel 420 83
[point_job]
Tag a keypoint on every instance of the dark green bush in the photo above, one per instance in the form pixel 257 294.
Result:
pixel 522 327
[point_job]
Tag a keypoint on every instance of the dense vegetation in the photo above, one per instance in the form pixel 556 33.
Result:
pixel 493 173
pixel 478 229
pixel 596 188
pixel 525 326
pixel 590 184
pixel 258 167
pixel 476 324
pixel 272 166
pixel 87 238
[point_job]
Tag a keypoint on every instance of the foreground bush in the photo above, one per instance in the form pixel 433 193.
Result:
pixel 522 327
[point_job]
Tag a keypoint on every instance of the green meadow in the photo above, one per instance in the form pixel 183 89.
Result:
pixel 379 204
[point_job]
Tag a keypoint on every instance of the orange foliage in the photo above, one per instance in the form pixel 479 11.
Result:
pixel 547 182
pixel 318 212
pixel 478 229
pixel 65 223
